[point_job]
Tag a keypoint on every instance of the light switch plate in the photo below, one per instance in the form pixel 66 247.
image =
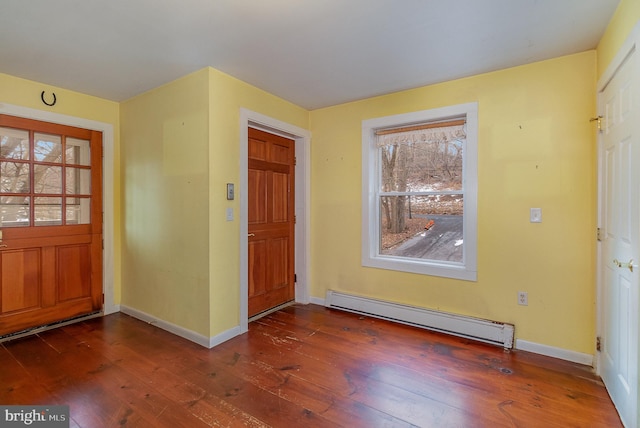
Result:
pixel 229 214
pixel 230 192
pixel 535 215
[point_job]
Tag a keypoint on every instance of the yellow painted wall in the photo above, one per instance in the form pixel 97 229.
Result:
pixel 536 149
pixel 26 93
pixel 625 18
pixel 181 145
pixel 165 174
pixel 227 96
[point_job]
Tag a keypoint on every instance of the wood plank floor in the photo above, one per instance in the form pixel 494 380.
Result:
pixel 304 366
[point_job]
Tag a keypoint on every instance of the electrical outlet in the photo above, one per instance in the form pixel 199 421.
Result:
pixel 523 298
pixel 535 215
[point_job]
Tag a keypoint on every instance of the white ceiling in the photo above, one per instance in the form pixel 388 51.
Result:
pixel 314 53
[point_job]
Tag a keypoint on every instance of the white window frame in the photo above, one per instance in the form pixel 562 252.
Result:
pixel 371 170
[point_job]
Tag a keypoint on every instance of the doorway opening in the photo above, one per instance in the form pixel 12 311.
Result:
pixel 301 138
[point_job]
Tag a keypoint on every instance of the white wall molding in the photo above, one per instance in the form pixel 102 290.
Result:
pixel 200 339
pixel 551 351
pixel 317 301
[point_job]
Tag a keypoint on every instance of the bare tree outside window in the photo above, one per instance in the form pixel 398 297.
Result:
pixel 421 192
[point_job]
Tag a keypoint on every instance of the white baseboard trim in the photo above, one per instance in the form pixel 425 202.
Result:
pixel 317 301
pixel 552 351
pixel 111 309
pixel 202 340
pixel 224 336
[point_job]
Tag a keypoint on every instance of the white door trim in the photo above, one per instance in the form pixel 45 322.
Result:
pixel 107 187
pixel 302 137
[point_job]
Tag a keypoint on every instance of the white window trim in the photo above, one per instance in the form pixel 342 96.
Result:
pixel 467 270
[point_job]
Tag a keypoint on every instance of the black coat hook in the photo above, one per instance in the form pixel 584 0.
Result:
pixel 51 103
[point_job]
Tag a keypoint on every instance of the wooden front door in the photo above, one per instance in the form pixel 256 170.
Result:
pixel 50 223
pixel 271 221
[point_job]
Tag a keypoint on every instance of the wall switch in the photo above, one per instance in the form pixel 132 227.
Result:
pixel 535 215
pixel 523 298
pixel 229 214
pixel 230 192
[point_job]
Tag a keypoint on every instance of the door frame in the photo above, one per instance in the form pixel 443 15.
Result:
pixel 631 44
pixel 302 139
pixel 109 305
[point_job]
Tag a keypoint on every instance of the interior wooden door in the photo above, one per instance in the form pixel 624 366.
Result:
pixel 620 246
pixel 50 223
pixel 271 221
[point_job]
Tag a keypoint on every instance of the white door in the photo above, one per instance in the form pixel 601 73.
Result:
pixel 619 220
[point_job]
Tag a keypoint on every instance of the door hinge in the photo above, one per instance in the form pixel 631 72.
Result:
pixel 599 234
pixel 598 344
pixel 598 120
pixel 295 220
pixel 103 298
pixel 295 160
pixel 295 277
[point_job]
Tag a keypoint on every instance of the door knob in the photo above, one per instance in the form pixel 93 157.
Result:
pixel 251 234
pixel 628 265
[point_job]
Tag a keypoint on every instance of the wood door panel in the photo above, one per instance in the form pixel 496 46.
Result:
pixel 22 270
pixel 271 221
pixel 280 198
pixel 280 153
pixel 257 197
pixel 18 321
pixel 257 267
pixel 279 253
pixel 73 272
pixel 257 149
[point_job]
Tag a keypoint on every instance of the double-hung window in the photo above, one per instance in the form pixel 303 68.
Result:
pixel 419 195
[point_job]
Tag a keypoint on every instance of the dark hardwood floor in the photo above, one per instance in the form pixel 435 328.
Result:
pixel 304 366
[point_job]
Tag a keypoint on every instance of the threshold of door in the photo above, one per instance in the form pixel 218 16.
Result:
pixel 270 311
pixel 40 329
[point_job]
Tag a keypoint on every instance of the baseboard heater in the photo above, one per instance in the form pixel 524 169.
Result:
pixel 493 332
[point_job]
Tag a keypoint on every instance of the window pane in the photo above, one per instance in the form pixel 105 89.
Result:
pixel 422 227
pixel 47 211
pixel 422 166
pixel 14 144
pixel 78 152
pixel 78 181
pixel 78 211
pixel 48 148
pixel 14 177
pixel 47 179
pixel 14 211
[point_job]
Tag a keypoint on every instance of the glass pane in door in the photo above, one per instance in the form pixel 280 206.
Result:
pixel 47 179
pixel 78 152
pixel 47 211
pixel 14 211
pixel 78 181
pixel 14 143
pixel 47 148
pixel 14 177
